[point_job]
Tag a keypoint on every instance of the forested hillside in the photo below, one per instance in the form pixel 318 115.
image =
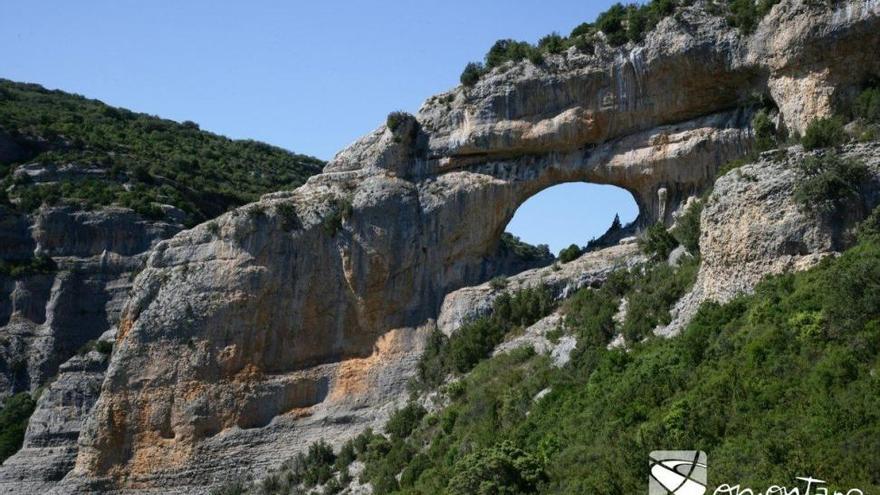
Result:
pixel 84 151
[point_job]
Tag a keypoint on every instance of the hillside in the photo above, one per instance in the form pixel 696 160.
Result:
pixel 83 151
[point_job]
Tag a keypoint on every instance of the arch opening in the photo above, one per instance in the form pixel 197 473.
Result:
pixel 582 214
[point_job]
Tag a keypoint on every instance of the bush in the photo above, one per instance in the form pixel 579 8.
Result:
pixel 498 283
pixel 404 421
pixel 475 340
pixel 657 242
pixel 687 228
pixel 570 253
pixel 395 119
pixel 513 245
pixel 552 43
pixel 746 14
pixel 41 264
pixel 652 295
pixel 507 50
pixel 824 133
pixel 471 74
pixel 831 185
pixel 867 105
pixel 503 469
pixel 610 23
pixel 13 422
pixel 765 131
pixel 784 377
pixel 585 44
pixel 340 209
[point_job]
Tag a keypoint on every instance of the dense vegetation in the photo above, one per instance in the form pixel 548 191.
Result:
pixel 475 340
pixel 832 186
pixel 141 160
pixel 620 24
pixel 13 422
pixel 514 246
pixel 824 133
pixel 23 268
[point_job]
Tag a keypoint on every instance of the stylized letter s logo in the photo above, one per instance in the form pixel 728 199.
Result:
pixel 681 472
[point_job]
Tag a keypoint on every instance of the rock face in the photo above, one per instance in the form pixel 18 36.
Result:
pixel 46 317
pixel 302 315
pixel 751 226
pixel 50 447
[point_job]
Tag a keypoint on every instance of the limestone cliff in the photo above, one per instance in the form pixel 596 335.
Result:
pixel 301 316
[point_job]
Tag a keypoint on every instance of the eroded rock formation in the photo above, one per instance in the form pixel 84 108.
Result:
pixel 752 226
pixel 301 316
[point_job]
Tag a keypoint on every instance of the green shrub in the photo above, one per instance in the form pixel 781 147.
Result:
pixel 824 133
pixel 471 73
pixel 341 209
pixel 231 487
pixel 510 244
pixel 583 29
pixel 657 242
pixel 765 131
pixel 104 347
pixel 831 185
pixel 507 50
pixel 785 378
pixel 611 22
pixel 687 228
pixel 404 421
pixel 289 217
pixel 14 417
pixel 552 43
pixel 652 295
pixel 570 253
pixel 395 119
pixel 498 283
pixel 585 44
pixel 746 14
pixel 502 469
pixel 347 455
pixel 475 340
pixel 41 264
pixel 867 105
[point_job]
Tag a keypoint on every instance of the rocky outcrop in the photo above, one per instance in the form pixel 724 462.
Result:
pixel 751 227
pixel 45 317
pixel 50 443
pixel 561 279
pixel 302 315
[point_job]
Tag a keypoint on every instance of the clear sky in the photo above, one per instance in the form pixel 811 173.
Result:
pixel 307 76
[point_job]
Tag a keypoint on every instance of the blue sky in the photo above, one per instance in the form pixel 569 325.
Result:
pixel 308 76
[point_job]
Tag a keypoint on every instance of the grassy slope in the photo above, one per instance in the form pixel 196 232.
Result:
pixel 160 160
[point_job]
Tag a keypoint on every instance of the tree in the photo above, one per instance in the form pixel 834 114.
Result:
pixel 570 253
pixel 471 74
pixel 499 470
pixel 657 242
